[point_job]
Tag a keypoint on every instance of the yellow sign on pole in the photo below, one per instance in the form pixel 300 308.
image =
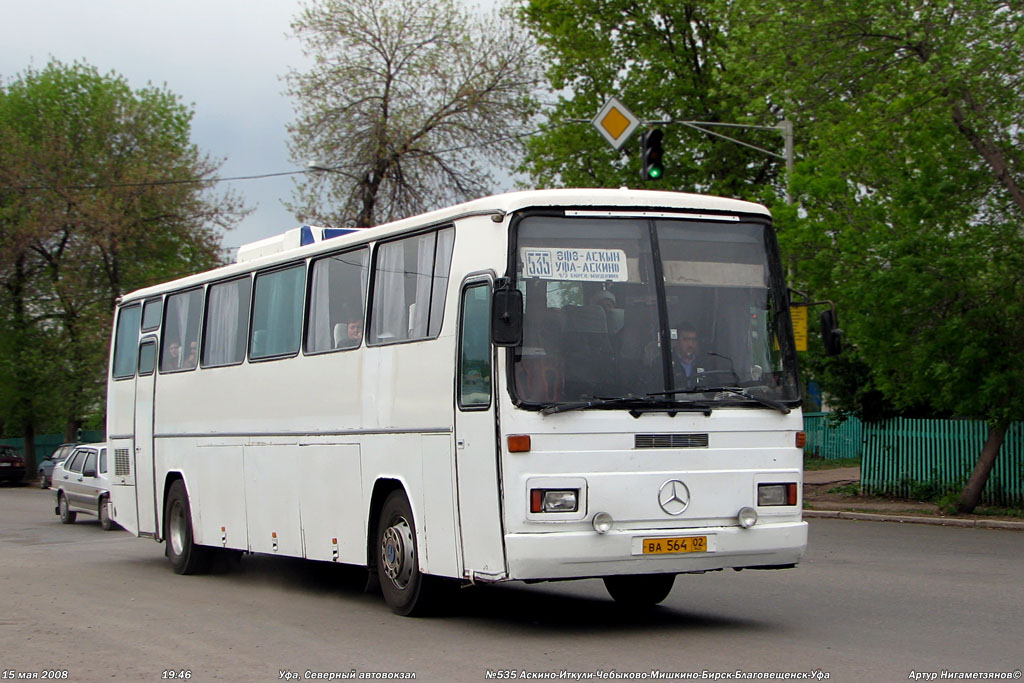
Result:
pixel 799 316
pixel 615 122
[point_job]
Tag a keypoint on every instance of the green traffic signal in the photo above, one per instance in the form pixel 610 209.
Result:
pixel 653 154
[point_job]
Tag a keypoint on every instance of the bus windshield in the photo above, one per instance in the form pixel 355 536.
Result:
pixel 651 307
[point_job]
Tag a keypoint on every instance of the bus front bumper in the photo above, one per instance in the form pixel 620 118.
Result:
pixel 584 554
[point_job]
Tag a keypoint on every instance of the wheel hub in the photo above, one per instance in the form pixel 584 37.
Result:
pixel 396 553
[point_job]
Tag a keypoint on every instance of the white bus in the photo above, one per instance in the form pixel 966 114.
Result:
pixel 539 385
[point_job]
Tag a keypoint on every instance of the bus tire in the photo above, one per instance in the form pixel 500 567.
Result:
pixel 639 591
pixel 405 589
pixel 104 514
pixel 66 515
pixel 185 555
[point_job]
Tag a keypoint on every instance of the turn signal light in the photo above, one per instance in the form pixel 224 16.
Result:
pixel 519 443
pixel 801 439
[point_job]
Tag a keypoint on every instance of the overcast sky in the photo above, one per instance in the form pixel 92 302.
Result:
pixel 224 57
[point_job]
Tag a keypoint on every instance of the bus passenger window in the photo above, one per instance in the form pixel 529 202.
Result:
pixel 180 338
pixel 410 283
pixel 277 313
pixel 336 297
pixel 227 322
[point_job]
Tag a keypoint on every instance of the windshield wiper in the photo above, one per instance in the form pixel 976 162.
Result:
pixel 642 402
pixel 767 402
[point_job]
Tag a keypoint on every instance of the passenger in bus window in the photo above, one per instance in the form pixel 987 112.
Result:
pixel 355 332
pixel 174 349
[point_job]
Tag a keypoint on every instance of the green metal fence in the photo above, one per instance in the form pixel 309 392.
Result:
pixel 47 443
pixel 914 457
pixel 833 440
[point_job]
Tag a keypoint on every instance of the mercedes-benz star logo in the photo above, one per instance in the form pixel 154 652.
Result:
pixel 673 497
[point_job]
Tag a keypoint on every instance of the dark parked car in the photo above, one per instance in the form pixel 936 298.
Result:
pixel 81 485
pixel 12 465
pixel 45 469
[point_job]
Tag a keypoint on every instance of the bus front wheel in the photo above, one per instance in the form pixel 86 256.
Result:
pixel 639 591
pixel 405 589
pixel 185 555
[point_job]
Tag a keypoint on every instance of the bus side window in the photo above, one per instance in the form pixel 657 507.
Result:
pixel 227 322
pixel 409 285
pixel 336 295
pixel 151 315
pixel 126 342
pixel 180 337
pixel 147 357
pixel 277 313
pixel 475 348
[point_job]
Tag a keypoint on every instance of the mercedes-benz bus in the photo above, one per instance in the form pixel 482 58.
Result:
pixel 539 385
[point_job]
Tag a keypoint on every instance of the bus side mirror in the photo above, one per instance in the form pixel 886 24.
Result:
pixel 831 335
pixel 506 314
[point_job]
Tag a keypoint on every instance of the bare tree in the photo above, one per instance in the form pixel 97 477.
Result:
pixel 408 103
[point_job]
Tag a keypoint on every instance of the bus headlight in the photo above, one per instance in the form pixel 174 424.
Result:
pixel 554 500
pixel 776 494
pixel 747 517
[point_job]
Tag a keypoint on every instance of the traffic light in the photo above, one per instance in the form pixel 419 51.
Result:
pixel 653 154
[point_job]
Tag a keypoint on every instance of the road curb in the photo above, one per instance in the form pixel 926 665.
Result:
pixel 911 519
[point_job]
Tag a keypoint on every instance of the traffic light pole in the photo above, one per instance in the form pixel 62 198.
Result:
pixel 785 127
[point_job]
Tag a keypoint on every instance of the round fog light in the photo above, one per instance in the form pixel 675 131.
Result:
pixel 747 517
pixel 602 522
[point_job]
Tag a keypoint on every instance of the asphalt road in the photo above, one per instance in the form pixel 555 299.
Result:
pixel 871 602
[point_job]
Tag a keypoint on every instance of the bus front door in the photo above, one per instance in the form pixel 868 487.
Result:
pixel 145 484
pixel 476 455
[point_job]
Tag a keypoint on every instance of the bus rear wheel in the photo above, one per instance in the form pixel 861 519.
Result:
pixel 406 590
pixel 185 555
pixel 639 591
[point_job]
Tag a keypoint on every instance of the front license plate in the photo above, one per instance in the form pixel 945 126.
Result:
pixel 667 546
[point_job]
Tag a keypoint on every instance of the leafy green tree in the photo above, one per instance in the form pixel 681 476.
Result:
pixel 910 191
pixel 97 197
pixel 406 102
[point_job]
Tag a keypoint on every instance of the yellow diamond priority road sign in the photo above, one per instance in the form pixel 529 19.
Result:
pixel 615 123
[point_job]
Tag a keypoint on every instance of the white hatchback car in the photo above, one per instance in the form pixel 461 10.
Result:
pixel 81 485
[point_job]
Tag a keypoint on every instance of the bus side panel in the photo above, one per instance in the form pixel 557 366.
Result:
pixel 441 545
pixel 272 492
pixel 213 484
pixel 331 503
pixel 120 431
pixel 122 490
